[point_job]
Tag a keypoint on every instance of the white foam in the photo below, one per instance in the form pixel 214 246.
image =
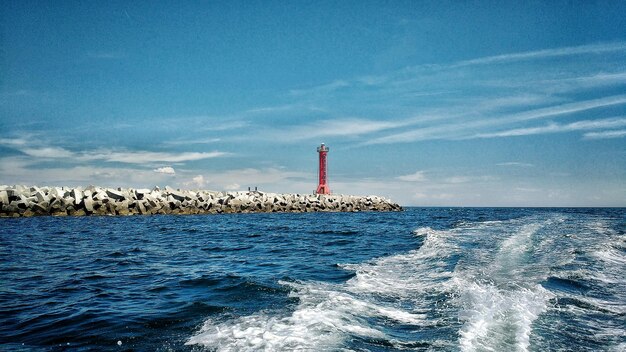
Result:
pixel 425 231
pixel 407 275
pixel 620 347
pixel 492 315
pixel 498 291
pixel 600 227
pixel 492 271
pixel 495 317
pixel 328 313
pixel 324 317
pixel 611 256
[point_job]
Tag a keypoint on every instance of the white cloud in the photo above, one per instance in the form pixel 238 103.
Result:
pixel 434 196
pixel 47 152
pixel 13 141
pixel 256 177
pixel 455 131
pixel 38 148
pixel 397 77
pixel 271 109
pixel 354 127
pixel 472 107
pixel 584 82
pixel 558 128
pixel 515 163
pixel 414 177
pixel 467 179
pixel 538 54
pixel 333 128
pixel 197 182
pixel 232 187
pixel 166 170
pixel 224 126
pixel 458 179
pixel 325 88
pixel 130 157
pixel 20 170
pixel 570 108
pixel 145 157
pixel 476 191
pixel 605 134
pixel 193 141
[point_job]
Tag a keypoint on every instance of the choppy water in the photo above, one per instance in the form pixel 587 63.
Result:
pixel 423 279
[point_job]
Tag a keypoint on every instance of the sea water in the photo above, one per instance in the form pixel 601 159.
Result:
pixel 425 279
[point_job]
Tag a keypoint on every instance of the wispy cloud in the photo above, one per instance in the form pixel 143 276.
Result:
pixel 224 126
pixel 462 130
pixel 193 141
pixel 407 75
pixel 558 128
pixel 271 109
pixel 570 108
pixel 418 176
pixel 539 54
pixel 587 81
pixel 145 157
pixel 123 156
pixel 47 152
pixel 467 179
pixel 13 141
pixel 516 164
pixel 485 97
pixel 19 170
pixel 334 128
pixel 321 89
pixel 605 134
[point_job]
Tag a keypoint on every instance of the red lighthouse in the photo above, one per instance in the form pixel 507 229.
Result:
pixel 322 188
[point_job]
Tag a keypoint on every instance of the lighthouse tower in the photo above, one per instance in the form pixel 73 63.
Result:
pixel 322 188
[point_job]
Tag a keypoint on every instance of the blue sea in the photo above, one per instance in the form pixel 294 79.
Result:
pixel 425 279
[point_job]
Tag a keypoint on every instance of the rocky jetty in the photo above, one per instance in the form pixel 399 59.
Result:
pixel 17 201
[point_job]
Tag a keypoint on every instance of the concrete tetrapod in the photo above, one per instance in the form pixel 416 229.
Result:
pixel 22 201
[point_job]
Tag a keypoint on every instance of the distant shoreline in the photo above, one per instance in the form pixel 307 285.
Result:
pixel 23 201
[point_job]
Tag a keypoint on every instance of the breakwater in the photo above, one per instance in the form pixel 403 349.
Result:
pixel 18 201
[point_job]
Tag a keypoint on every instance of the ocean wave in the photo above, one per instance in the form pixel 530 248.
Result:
pixel 498 319
pixel 611 255
pixel 408 275
pixel 326 315
pixel 498 290
pixel 496 279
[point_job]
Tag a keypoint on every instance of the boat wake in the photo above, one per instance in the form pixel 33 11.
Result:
pixel 485 286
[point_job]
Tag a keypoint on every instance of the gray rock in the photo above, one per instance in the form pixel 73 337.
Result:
pixel 117 195
pixel 4 197
pixel 177 195
pixel 28 201
pixel 89 204
pixel 77 194
pixel 100 195
pixel 40 208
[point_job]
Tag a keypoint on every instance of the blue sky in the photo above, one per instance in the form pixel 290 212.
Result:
pixel 426 102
